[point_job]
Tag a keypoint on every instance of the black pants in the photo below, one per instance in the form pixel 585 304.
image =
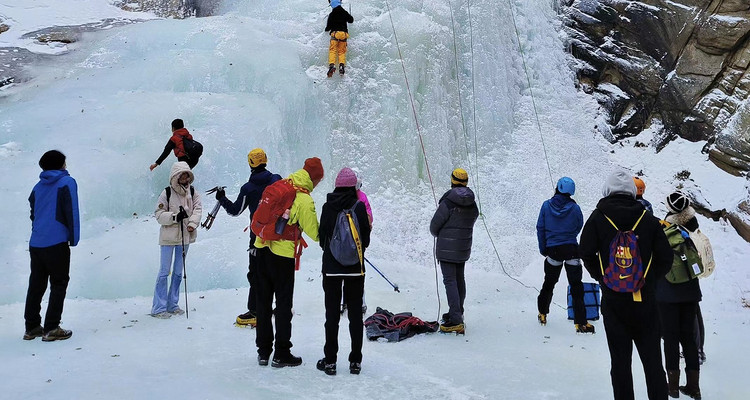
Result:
pixel 628 322
pixel 252 278
pixel 678 328
pixel 557 256
pixel 353 287
pixel 455 290
pixel 275 277
pixel 53 264
pixel 191 163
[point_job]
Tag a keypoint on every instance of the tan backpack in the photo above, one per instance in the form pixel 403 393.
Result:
pixel 705 251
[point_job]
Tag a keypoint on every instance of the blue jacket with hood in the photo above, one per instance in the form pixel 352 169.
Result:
pixel 54 210
pixel 250 194
pixel 560 221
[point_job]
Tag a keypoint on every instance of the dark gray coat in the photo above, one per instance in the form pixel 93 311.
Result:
pixel 453 224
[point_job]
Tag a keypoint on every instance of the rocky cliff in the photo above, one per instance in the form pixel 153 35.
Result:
pixel 683 62
pixel 172 8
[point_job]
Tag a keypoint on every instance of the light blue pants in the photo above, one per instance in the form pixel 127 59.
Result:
pixel 167 299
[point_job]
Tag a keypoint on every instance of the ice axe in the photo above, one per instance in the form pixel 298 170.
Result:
pixel 215 211
pixel 395 287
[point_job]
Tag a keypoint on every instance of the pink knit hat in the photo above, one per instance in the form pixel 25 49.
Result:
pixel 346 178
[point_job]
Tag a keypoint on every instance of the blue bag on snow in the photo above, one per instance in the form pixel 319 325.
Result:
pixel 591 299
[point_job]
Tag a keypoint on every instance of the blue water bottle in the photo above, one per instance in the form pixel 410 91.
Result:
pixel 281 222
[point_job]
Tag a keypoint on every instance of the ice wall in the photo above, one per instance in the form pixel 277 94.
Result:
pixel 255 77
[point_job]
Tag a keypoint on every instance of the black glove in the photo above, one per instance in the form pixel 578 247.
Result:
pixel 220 194
pixel 181 215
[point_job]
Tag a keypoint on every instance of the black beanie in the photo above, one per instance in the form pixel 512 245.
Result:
pixel 51 160
pixel 677 201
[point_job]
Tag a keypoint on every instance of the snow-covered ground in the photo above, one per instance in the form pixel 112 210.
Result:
pixel 26 16
pixel 254 77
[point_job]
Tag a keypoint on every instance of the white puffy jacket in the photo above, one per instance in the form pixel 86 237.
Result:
pixel 169 234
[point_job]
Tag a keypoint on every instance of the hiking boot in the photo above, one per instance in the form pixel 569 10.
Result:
pixel 444 318
pixel 328 368
pixel 458 329
pixel 247 318
pixel 673 383
pixel 57 334
pixel 355 368
pixel 331 70
pixel 341 69
pixel 692 389
pixel 262 360
pixel 585 328
pixel 542 319
pixel 162 315
pixel 287 360
pixel 177 311
pixel 33 334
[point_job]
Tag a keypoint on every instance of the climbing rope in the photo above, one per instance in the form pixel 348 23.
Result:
pixel 531 90
pixel 413 107
pixel 458 85
pixel 421 141
pixel 476 147
pixel 437 285
pixel 473 103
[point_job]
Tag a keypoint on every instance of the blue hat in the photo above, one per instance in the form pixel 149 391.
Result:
pixel 566 185
pixel 335 3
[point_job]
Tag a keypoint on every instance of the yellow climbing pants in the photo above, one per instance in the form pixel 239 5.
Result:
pixel 337 47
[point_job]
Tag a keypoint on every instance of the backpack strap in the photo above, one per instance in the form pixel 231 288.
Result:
pixel 634 226
pixel 168 189
pixel 355 236
pixel 357 241
pixel 639 220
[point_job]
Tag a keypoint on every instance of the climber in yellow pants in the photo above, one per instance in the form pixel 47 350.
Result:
pixel 337 48
pixel 337 20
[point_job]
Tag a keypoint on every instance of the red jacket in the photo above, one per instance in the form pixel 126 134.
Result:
pixel 177 136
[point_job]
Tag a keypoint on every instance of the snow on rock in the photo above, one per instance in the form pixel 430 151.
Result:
pixel 24 17
pixel 698 66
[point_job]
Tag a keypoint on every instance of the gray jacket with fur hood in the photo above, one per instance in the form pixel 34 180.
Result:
pixel 169 234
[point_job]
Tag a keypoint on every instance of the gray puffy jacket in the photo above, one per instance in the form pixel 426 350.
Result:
pixel 453 224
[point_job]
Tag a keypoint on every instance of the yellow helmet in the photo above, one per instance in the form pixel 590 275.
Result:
pixel 256 157
pixel 459 177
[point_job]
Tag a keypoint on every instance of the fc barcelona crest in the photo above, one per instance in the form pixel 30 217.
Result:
pixel 623 258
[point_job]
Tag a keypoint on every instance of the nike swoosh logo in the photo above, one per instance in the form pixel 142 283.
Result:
pixel 625 276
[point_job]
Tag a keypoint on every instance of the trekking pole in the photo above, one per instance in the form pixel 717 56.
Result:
pixel 184 269
pixel 395 287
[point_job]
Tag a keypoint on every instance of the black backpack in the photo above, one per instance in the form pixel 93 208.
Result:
pixel 193 149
